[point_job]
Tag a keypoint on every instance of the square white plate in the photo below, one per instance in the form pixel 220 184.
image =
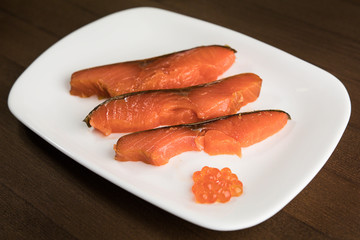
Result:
pixel 273 172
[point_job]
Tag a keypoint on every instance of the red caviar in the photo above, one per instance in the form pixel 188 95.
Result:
pixel 212 185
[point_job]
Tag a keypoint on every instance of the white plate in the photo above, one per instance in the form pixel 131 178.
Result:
pixel 273 172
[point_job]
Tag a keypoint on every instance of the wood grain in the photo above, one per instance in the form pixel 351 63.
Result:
pixel 46 195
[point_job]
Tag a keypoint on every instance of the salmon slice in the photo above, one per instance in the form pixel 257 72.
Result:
pixel 176 70
pixel 223 135
pixel 150 109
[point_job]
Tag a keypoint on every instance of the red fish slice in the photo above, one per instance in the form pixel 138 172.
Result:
pixel 223 135
pixel 151 109
pixel 176 70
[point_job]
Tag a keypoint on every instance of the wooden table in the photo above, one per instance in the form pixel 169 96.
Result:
pixel 47 195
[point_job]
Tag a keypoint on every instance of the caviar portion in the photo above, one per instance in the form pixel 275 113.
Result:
pixel 212 185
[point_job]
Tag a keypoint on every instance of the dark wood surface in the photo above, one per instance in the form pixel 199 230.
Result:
pixel 46 195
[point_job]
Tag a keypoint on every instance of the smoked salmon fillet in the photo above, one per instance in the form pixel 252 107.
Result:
pixel 176 70
pixel 150 109
pixel 223 135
